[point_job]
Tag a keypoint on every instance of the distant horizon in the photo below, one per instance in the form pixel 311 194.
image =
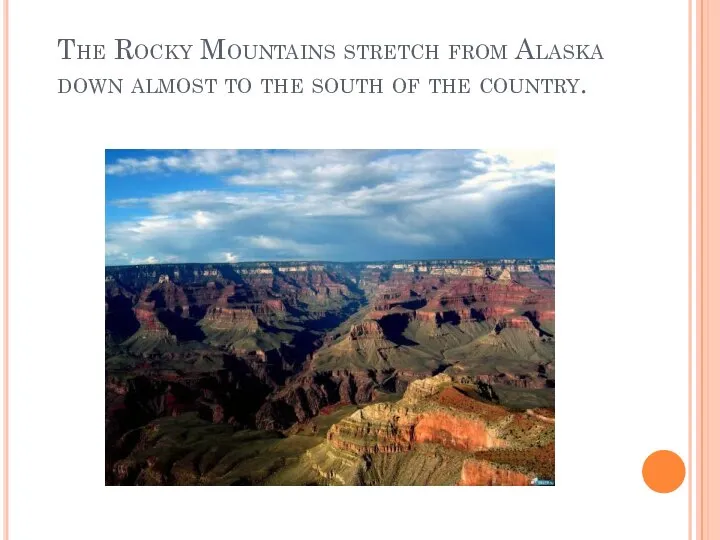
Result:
pixel 165 206
pixel 330 261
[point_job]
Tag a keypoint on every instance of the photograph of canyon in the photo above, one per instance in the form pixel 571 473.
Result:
pixel 330 317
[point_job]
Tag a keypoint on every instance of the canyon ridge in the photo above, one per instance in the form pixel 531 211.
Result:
pixel 422 372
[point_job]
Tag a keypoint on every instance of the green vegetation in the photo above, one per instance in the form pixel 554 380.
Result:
pixel 525 398
pixel 537 462
pixel 188 450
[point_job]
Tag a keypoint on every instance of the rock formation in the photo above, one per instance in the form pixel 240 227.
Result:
pixel 270 346
pixel 437 413
pixel 477 472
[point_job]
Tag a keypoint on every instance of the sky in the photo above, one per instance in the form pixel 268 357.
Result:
pixel 175 206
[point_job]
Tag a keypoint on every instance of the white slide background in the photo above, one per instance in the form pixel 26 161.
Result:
pixel 621 237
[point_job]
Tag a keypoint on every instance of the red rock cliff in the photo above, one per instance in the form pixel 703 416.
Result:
pixel 482 473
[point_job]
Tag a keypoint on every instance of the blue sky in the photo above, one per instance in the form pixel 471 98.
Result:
pixel 340 205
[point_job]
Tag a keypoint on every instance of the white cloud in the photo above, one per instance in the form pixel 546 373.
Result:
pixel 271 243
pixel 146 260
pixel 202 219
pixel 203 161
pixel 322 204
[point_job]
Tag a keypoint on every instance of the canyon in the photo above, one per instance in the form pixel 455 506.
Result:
pixel 320 373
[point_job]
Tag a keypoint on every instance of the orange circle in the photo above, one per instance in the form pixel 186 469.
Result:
pixel 663 471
